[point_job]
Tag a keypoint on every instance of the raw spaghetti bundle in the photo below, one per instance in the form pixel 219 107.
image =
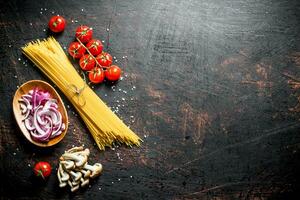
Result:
pixel 105 127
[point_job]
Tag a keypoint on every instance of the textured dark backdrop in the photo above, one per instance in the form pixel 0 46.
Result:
pixel 211 87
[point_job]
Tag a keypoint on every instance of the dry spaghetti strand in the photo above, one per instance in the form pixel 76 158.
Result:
pixel 105 127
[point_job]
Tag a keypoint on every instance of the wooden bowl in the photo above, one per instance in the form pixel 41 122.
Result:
pixel 24 89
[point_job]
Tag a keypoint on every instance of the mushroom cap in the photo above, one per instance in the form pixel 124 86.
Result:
pixel 97 171
pixel 62 184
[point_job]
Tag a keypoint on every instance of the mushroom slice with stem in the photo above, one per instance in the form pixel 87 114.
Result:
pixel 61 183
pixel 75 149
pixel 73 188
pixel 85 152
pixel 68 164
pixel 95 169
pixel 79 160
pixel 64 175
pixel 84 182
pixel 75 176
pixel 85 173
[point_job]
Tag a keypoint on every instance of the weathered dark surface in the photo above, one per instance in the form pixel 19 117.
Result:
pixel 219 115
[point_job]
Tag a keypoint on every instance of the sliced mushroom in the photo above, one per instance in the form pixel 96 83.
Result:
pixel 75 149
pixel 74 183
pixel 84 182
pixel 95 169
pixel 75 176
pixel 61 183
pixel 64 175
pixel 85 173
pixel 79 160
pixel 85 152
pixel 68 164
pixel 73 188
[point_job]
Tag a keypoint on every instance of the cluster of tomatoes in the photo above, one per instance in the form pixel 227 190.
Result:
pixel 90 53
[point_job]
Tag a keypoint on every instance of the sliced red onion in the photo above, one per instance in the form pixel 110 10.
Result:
pixel 23 107
pixel 42 118
pixel 28 124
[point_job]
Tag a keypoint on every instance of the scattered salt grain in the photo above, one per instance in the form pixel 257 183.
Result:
pixel 107 29
pixel 82 10
pixel 19 59
pixel 15 76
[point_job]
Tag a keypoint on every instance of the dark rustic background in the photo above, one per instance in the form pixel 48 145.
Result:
pixel 212 88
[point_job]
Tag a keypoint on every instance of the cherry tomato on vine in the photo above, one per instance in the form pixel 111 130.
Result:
pixel 95 47
pixel 76 50
pixel 84 33
pixel 113 73
pixel 86 62
pixel 42 169
pixel 57 24
pixel 104 59
pixel 96 75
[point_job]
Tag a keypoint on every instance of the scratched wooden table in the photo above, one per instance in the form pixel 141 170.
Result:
pixel 211 86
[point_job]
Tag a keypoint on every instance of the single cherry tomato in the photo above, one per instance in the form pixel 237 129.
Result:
pixel 57 24
pixel 76 50
pixel 86 62
pixel 113 73
pixel 84 33
pixel 96 75
pixel 95 47
pixel 42 169
pixel 104 59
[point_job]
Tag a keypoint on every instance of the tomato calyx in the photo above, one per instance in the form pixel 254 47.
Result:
pixel 40 173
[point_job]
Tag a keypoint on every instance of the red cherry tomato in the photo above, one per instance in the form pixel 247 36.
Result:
pixel 104 59
pixel 76 50
pixel 84 33
pixel 96 75
pixel 95 47
pixel 86 62
pixel 113 73
pixel 57 24
pixel 42 169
